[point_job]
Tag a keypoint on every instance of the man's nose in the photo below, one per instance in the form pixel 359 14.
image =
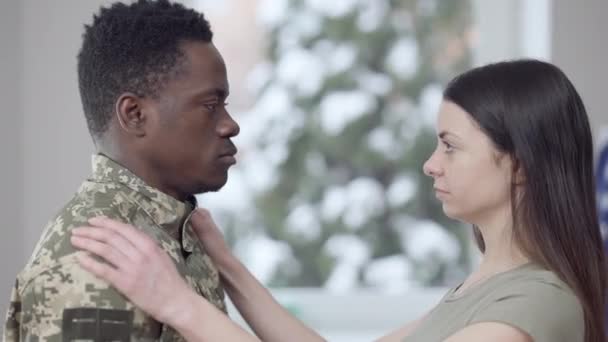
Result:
pixel 228 127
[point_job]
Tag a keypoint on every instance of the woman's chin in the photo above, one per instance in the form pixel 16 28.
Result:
pixel 452 212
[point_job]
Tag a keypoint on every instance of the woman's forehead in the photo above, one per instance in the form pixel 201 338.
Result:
pixel 453 120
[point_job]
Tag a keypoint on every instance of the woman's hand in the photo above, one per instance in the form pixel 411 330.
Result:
pixel 211 237
pixel 268 319
pixel 137 267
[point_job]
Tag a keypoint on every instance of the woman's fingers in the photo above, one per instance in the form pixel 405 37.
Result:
pixel 134 236
pixel 99 244
pixel 108 237
pixel 210 236
pixel 205 228
pixel 124 273
pixel 202 220
pixel 101 270
pixel 148 276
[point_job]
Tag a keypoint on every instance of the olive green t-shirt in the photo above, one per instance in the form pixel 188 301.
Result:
pixel 529 298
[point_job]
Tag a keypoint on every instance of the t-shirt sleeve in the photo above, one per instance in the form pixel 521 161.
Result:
pixel 543 310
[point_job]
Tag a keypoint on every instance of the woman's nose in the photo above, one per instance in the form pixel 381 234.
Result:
pixel 431 167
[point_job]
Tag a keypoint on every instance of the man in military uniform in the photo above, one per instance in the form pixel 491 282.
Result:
pixel 153 88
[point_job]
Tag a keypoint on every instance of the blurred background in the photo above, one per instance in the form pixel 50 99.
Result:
pixel 337 102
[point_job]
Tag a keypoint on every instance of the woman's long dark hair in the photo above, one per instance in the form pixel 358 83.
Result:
pixel 531 111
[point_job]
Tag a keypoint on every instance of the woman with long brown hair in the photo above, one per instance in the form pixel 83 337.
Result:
pixel 514 158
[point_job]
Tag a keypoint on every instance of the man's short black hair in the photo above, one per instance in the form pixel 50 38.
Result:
pixel 133 48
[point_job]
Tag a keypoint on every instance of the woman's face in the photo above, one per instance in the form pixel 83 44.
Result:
pixel 471 177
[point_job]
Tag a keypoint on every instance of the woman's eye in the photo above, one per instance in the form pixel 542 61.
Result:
pixel 448 147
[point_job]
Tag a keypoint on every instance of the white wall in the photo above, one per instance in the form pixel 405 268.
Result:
pixel 11 148
pixel 56 143
pixel 45 145
pixel 512 29
pixel 579 47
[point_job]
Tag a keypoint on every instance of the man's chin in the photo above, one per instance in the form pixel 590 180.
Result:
pixel 212 186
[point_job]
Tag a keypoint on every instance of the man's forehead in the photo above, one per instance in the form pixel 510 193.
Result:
pixel 217 91
pixel 204 72
pixel 201 51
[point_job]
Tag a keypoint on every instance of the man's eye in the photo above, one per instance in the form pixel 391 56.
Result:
pixel 212 107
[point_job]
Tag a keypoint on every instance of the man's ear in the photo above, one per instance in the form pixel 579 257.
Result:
pixel 130 114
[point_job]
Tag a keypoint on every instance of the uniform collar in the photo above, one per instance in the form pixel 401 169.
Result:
pixel 166 211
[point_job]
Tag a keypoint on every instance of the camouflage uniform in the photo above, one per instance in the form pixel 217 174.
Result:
pixel 54 299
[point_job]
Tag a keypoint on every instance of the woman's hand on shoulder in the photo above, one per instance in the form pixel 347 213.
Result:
pixel 210 236
pixel 135 265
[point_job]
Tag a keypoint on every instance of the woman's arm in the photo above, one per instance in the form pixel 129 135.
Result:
pixel 144 273
pixel 270 321
pixel 489 331
pixel 147 276
pixel 401 333
pixel 204 322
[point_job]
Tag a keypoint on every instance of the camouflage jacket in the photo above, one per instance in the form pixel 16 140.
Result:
pixel 54 299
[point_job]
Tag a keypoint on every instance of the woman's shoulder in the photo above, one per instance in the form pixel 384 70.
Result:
pixel 538 302
pixel 533 279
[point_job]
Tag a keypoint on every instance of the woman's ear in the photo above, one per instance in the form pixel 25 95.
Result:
pixel 519 177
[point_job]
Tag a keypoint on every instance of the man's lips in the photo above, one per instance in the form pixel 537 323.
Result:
pixel 228 156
